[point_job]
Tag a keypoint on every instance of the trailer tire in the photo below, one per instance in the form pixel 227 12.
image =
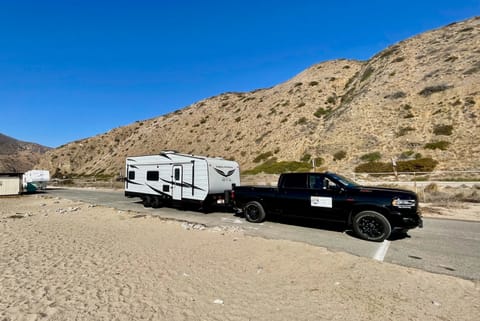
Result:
pixel 156 202
pixel 254 212
pixel 147 201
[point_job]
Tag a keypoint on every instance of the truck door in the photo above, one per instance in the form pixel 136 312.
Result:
pixel 294 195
pixel 326 199
pixel 177 182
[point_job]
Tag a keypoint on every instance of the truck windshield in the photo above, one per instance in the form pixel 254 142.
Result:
pixel 343 180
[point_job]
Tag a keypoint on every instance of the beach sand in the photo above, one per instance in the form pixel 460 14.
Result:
pixel 65 260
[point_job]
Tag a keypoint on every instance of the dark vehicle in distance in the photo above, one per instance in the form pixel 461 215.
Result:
pixel 372 212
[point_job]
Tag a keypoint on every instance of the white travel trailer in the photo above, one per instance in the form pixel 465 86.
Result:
pixel 174 177
pixel 35 179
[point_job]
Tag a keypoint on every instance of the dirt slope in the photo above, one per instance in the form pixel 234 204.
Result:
pixel 412 98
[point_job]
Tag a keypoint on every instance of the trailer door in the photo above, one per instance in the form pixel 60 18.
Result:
pixel 177 182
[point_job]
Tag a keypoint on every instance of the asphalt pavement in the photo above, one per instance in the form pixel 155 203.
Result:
pixel 443 246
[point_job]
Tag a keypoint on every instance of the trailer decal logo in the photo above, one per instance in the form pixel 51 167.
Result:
pixel 132 182
pixel 183 184
pixel 229 173
pixel 165 155
pixel 159 192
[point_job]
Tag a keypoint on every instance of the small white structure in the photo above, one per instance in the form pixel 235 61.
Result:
pixel 175 177
pixel 35 179
pixel 10 184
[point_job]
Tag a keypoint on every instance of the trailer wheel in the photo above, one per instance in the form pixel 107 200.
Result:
pixel 156 202
pixel 254 212
pixel 147 201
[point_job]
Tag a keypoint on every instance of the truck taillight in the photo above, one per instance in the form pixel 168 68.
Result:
pixel 232 195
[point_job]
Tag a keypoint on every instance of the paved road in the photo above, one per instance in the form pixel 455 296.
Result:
pixel 442 246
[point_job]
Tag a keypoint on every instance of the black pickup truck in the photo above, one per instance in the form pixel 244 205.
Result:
pixel 372 212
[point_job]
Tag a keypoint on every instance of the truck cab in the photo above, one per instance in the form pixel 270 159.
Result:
pixel 372 212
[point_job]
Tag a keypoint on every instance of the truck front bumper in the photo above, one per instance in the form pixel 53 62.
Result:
pixel 412 222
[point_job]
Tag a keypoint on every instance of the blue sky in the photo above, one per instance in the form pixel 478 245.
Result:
pixel 74 69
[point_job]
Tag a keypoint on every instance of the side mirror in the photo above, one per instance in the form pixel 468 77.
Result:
pixel 336 188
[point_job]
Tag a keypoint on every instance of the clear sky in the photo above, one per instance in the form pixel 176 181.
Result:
pixel 74 69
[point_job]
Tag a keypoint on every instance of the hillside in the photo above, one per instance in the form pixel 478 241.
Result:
pixel 18 156
pixel 417 98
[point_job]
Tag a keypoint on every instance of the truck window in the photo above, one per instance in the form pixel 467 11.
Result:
pixel 295 181
pixel 316 181
pixel 152 176
pixel 330 185
pixel 131 175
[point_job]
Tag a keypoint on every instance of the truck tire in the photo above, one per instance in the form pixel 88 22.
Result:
pixel 371 226
pixel 254 212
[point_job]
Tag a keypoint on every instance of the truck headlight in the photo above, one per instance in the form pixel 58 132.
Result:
pixel 400 203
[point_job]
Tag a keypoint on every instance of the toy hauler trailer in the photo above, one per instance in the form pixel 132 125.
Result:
pixel 172 177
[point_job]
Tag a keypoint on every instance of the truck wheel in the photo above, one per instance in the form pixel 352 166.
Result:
pixel 254 212
pixel 371 226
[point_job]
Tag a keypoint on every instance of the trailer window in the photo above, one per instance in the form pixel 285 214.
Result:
pixel 177 174
pixel 166 188
pixel 152 176
pixel 131 175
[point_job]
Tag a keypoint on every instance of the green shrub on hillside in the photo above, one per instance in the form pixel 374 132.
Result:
pixel 331 100
pixel 445 130
pixel 322 112
pixel 262 157
pixel 339 155
pixel 416 165
pixel 301 121
pixel 427 91
pixel 271 166
pixel 408 115
pixel 371 157
pixel 404 130
pixel 407 154
pixel 389 51
pixel 374 167
pixel 306 157
pixel 368 72
pixel 319 161
pixel 396 95
pixel 442 145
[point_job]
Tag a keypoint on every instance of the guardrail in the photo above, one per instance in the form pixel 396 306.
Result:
pixel 435 176
pixel 420 182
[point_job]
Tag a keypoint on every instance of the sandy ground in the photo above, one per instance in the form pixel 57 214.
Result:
pixel 452 210
pixel 65 260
